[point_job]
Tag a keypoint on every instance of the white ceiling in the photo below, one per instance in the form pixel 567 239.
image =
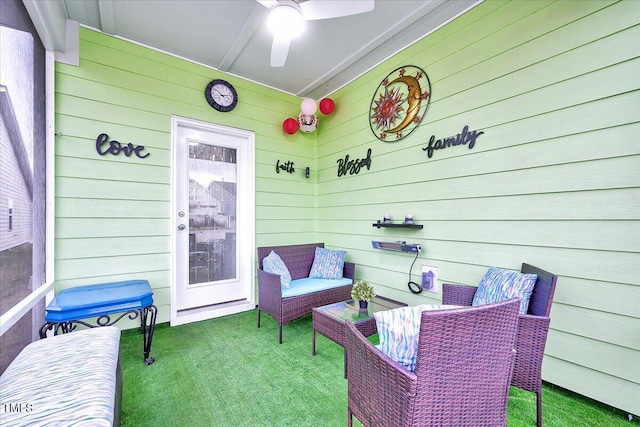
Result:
pixel 230 35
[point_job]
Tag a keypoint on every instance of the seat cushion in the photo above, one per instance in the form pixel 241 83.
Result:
pixel 500 285
pixel 309 284
pixel 327 264
pixel 272 263
pixel 67 379
pixel 399 330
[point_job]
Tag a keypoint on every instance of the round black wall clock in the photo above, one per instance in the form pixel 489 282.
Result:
pixel 399 103
pixel 221 95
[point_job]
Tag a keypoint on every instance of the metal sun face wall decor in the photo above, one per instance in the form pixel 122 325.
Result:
pixel 399 103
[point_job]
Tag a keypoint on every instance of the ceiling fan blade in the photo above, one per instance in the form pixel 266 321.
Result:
pixel 268 3
pixel 280 49
pixel 325 9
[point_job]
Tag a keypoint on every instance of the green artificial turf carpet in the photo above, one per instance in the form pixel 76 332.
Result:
pixel 227 372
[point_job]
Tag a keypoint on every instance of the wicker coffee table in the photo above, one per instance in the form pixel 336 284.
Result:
pixel 329 320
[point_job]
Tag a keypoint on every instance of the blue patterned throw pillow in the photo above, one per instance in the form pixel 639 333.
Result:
pixel 272 263
pixel 399 332
pixel 327 264
pixel 500 285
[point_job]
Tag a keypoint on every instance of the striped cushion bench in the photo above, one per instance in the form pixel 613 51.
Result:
pixel 69 379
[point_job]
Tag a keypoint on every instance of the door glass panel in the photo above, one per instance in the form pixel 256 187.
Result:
pixel 212 213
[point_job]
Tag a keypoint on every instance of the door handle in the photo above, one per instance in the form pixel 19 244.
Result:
pixel 181 227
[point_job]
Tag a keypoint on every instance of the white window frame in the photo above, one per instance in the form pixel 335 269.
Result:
pixel 46 290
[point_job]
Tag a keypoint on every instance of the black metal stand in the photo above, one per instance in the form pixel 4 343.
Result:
pixel 147 325
pixel 147 332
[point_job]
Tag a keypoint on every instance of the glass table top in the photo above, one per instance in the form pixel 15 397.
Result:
pixel 350 310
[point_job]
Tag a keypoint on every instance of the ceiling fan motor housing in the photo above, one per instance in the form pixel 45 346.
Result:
pixel 286 17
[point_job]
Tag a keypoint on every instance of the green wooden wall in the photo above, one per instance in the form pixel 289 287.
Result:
pixel 113 212
pixel 554 181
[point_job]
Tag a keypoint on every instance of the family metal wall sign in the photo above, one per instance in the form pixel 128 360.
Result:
pixel 463 138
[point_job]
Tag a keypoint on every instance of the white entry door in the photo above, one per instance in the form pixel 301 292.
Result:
pixel 213 181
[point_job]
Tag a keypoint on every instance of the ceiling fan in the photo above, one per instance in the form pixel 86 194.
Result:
pixel 286 19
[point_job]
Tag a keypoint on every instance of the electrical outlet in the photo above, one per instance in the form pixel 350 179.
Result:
pixel 430 278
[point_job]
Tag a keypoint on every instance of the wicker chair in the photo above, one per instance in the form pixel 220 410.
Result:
pixel 298 259
pixel 532 330
pixel 463 367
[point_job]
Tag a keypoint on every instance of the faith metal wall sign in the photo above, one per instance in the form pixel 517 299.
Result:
pixel 104 147
pixel 287 167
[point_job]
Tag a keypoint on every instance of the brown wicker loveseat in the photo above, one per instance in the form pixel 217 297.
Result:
pixel 298 259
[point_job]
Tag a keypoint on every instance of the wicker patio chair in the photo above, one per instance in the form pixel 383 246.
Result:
pixel 299 260
pixel 463 368
pixel 532 330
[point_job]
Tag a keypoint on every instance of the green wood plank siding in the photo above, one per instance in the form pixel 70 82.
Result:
pixel 112 212
pixel 554 181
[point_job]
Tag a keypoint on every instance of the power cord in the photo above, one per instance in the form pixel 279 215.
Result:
pixel 414 287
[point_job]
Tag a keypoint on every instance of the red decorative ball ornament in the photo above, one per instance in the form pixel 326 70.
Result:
pixel 327 106
pixel 290 126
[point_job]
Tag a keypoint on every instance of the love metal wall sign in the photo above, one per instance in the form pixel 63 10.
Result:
pixel 104 147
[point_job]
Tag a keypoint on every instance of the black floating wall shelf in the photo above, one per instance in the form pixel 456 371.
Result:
pixel 397 225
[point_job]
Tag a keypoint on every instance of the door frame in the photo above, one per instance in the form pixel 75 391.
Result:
pixel 246 242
